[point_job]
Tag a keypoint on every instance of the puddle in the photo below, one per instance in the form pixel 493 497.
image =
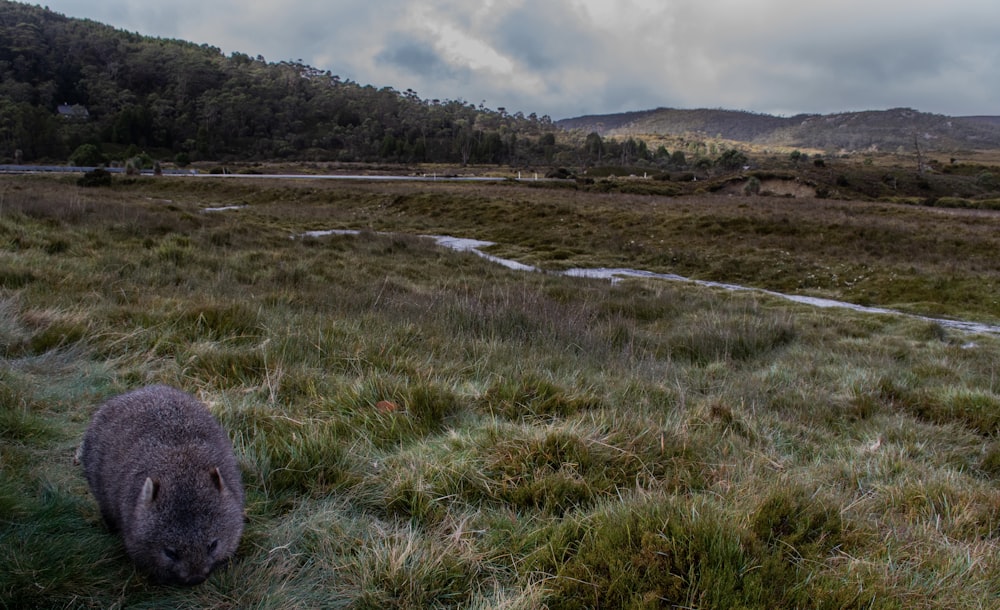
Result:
pixel 461 244
pixel 225 208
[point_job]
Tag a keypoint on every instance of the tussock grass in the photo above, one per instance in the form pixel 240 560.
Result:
pixel 709 336
pixel 421 428
pixel 533 397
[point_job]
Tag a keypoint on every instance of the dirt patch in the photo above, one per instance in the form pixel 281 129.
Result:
pixel 785 188
pixel 775 187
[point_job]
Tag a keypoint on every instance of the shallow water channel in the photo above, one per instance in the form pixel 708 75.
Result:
pixel 461 244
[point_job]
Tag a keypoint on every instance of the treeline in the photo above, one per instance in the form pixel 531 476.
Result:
pixel 76 86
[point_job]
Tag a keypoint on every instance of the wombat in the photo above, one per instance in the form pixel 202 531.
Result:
pixel 164 474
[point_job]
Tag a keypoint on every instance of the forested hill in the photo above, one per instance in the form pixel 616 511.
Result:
pixel 68 82
pixel 881 130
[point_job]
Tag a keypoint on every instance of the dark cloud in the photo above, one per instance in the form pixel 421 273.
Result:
pixel 417 57
pixel 544 37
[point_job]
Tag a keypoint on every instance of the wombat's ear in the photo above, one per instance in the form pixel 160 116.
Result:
pixel 217 480
pixel 150 489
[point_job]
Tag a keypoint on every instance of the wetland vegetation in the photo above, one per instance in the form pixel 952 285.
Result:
pixel 423 428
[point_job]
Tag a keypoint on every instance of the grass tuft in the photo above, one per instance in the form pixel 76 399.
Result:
pixel 285 456
pixel 730 335
pixel 530 397
pixel 794 521
pixel 978 410
pixel 646 553
pixel 403 569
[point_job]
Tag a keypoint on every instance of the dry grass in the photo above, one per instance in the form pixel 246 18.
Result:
pixel 922 259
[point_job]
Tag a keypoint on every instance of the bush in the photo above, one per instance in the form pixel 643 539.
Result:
pixel 987 180
pixel 731 159
pixel 560 173
pixel 95 177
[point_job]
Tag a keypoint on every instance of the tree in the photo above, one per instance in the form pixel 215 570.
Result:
pixel 704 164
pixel 920 157
pixel 732 159
pixel 465 140
pixel 643 150
pixel 87 155
pixel 594 146
pixel 388 148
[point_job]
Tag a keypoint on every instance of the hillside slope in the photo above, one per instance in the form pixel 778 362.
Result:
pixel 66 82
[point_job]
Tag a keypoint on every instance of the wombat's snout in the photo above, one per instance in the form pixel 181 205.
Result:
pixel 187 580
pixel 191 579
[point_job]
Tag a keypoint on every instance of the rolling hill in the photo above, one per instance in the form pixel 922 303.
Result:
pixel 851 131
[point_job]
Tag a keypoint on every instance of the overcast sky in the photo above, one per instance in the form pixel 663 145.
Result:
pixel 566 58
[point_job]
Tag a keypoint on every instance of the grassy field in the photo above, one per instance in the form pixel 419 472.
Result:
pixel 422 428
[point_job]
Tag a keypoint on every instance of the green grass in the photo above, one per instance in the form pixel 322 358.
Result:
pixel 422 428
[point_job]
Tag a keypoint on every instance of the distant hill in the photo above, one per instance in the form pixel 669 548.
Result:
pixel 992 120
pixel 851 131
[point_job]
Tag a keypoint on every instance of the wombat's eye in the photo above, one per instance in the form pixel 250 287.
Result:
pixel 214 545
pixel 171 554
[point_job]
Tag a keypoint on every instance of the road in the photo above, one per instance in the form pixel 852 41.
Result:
pixel 65 169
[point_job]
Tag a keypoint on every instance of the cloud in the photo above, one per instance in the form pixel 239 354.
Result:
pixel 569 57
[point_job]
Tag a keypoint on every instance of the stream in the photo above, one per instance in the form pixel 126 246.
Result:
pixel 475 246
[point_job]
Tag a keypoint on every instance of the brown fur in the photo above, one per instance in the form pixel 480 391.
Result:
pixel 164 474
